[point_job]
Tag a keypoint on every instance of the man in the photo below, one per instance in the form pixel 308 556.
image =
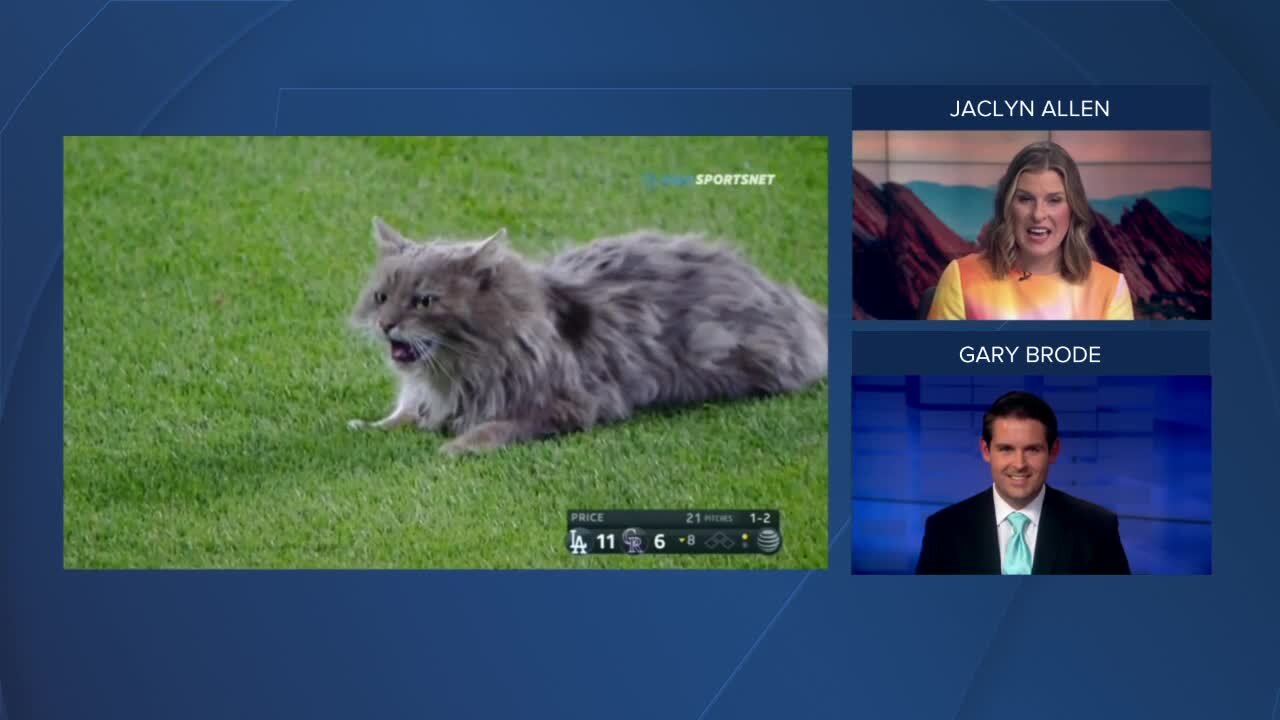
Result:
pixel 1021 525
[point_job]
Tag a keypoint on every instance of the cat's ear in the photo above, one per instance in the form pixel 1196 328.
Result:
pixel 490 246
pixel 486 257
pixel 388 239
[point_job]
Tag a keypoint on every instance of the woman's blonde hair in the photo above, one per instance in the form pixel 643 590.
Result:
pixel 999 245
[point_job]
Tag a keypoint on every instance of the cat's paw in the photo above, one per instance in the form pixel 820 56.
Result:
pixel 429 425
pixel 459 446
pixel 482 438
pixel 357 424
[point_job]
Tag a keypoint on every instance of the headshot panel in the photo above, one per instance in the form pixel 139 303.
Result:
pixel 1033 475
pixel 1049 225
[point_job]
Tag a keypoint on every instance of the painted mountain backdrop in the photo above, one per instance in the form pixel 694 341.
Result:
pixel 965 208
pixel 904 235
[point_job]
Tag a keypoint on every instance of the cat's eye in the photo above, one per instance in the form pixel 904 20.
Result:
pixel 379 297
pixel 423 301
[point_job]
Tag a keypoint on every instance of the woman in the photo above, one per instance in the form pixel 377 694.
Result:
pixel 1035 262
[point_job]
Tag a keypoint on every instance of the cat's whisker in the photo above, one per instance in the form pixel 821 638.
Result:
pixel 439 368
pixel 448 343
pixel 422 348
pixel 425 349
pixel 456 348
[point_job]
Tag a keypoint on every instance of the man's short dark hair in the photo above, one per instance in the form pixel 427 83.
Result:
pixel 1024 406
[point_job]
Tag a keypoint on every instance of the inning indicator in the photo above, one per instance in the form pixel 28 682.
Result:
pixel 663 532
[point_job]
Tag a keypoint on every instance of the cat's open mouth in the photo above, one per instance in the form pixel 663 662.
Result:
pixel 403 352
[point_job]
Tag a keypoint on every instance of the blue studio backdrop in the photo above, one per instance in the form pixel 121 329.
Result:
pixel 625 644
pixel 1138 445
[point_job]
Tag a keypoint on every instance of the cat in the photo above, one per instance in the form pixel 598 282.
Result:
pixel 495 349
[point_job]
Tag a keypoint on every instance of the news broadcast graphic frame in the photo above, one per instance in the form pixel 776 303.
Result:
pixel 212 644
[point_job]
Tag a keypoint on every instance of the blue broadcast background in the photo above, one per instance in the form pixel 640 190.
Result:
pixel 1136 445
pixel 817 644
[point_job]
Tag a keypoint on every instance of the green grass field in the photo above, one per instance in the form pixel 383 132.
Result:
pixel 210 369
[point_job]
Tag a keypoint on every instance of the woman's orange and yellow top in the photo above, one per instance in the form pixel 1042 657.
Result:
pixel 968 291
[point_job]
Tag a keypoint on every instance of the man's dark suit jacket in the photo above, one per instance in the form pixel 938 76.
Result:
pixel 1075 537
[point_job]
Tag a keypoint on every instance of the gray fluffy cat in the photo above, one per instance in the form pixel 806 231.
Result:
pixel 495 349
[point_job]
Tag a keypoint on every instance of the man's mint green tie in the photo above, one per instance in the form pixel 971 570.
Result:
pixel 1017 556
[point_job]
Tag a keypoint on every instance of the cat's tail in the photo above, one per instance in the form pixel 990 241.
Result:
pixel 814 337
